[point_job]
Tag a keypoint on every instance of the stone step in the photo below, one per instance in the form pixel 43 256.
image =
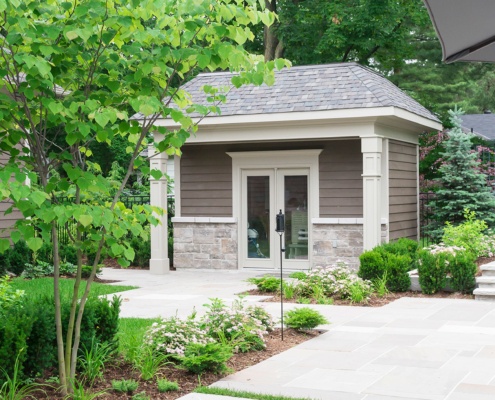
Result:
pixel 488 269
pixel 486 281
pixel 484 294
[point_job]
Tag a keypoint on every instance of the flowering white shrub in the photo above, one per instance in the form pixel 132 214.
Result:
pixel 172 335
pixel 242 327
pixel 443 248
pixel 335 280
pixel 487 245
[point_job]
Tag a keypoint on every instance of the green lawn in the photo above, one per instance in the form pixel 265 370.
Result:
pixel 44 286
pixel 130 335
pixel 243 394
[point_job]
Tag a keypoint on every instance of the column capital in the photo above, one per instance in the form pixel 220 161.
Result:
pixel 371 144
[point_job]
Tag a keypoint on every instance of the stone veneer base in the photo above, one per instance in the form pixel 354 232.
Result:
pixel 205 245
pixel 214 245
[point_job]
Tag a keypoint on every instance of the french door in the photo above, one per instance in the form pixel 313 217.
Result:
pixel 264 193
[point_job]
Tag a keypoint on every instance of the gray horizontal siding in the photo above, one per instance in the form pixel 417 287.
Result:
pixel 341 184
pixel 205 182
pixel 403 190
pixel 206 177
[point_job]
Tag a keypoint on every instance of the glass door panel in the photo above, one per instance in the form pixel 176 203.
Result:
pixel 258 216
pixel 296 216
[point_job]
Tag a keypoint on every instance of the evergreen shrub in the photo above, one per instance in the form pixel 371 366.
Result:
pixel 304 318
pixel 397 267
pixel 4 262
pixel 432 271
pixel 142 251
pixel 462 268
pixel 30 325
pixel 372 264
pixel 20 255
pixel 209 357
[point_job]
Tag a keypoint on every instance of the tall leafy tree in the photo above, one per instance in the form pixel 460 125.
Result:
pixel 371 32
pixel 462 185
pixel 71 74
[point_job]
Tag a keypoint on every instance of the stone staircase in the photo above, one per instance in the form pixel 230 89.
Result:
pixel 486 283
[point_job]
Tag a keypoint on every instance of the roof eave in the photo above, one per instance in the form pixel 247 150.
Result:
pixel 411 120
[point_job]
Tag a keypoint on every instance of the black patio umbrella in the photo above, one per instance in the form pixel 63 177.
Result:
pixel 466 28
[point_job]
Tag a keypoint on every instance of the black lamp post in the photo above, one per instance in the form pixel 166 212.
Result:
pixel 280 230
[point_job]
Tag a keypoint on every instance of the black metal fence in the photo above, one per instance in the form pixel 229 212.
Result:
pixel 425 216
pixel 68 230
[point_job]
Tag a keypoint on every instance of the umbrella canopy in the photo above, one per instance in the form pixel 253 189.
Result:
pixel 466 28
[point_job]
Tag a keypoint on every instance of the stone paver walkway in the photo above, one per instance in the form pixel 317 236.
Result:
pixel 413 348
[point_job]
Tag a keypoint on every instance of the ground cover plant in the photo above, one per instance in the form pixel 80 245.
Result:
pixel 304 318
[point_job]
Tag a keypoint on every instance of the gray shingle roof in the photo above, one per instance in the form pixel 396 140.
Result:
pixel 309 88
pixel 482 125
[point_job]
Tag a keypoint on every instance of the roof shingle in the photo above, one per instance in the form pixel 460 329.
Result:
pixel 308 88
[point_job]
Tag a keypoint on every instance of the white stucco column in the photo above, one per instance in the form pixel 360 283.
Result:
pixel 159 262
pixel 371 147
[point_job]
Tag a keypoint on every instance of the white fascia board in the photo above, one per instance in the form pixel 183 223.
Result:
pixel 345 123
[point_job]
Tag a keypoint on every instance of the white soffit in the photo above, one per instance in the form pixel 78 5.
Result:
pixel 317 125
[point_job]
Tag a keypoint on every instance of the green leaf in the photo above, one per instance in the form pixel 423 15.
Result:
pixel 156 174
pixel 280 63
pixel 4 245
pixel 123 262
pixel 85 220
pixel 38 197
pixel 71 35
pixel 129 253
pixel 102 119
pixel 34 243
pixel 117 249
pixel 15 236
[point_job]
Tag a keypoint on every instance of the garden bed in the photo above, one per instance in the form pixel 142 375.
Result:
pixel 188 382
pixel 374 300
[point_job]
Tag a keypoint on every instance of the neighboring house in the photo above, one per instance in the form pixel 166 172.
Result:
pixel 334 147
pixel 482 125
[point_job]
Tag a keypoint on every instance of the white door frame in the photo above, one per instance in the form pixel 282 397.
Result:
pixel 287 159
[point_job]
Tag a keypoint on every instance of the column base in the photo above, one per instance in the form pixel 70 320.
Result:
pixel 160 266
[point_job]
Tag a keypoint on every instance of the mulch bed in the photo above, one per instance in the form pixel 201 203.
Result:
pixel 187 381
pixel 374 300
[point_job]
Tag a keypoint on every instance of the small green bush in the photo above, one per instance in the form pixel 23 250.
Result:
pixel 468 234
pixel 125 386
pixel 68 254
pixel 299 275
pixel 304 318
pixel 397 267
pixel 211 357
pixel 266 283
pixel 432 271
pixel 402 246
pixel 462 268
pixel 19 257
pixel 372 264
pixel 165 385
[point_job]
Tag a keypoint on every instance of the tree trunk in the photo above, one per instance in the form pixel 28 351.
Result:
pixel 270 39
pixel 58 312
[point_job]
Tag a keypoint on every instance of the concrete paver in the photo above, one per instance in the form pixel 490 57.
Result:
pixel 411 349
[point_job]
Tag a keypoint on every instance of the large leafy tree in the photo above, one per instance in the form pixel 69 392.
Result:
pixel 371 32
pixel 71 74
